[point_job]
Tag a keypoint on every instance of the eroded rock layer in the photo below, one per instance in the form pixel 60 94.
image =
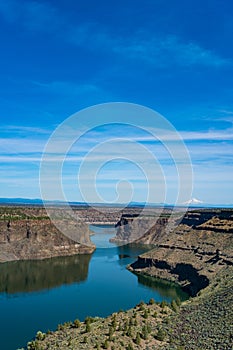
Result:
pixel 28 233
pixel 193 253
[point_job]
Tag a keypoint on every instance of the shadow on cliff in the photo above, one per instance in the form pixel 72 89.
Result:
pixel 189 273
pixel 36 275
pixel 185 272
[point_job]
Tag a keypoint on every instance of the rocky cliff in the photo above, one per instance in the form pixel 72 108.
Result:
pixel 28 233
pixel 193 253
pixel 132 227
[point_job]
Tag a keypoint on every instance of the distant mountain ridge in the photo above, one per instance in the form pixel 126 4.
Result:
pixel 195 203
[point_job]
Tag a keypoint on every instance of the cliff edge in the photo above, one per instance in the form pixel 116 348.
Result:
pixel 193 253
pixel 28 233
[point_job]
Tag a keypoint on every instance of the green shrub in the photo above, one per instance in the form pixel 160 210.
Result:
pixel 85 339
pixel 160 335
pixel 89 319
pixel 174 306
pixel 67 324
pixel 138 339
pixel 141 306
pixel 151 301
pixel 114 322
pixel 40 335
pixel 60 327
pixel 163 304
pixel 148 328
pixel 144 333
pixel 129 332
pixel 77 323
pixel 110 333
pixel 129 347
pixel 33 345
pixel 131 321
pixel 106 345
pixel 88 327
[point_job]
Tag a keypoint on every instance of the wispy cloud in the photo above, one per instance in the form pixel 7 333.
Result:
pixel 214 135
pixel 19 159
pixel 20 129
pixel 169 50
pixel 67 88
pixel 226 111
pixel 156 50
pixel 160 51
pixel 138 135
pixel 18 145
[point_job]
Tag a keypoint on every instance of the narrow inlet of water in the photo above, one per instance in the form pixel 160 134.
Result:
pixel 38 295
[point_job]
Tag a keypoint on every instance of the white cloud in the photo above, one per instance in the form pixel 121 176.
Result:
pixel 161 51
pixel 21 129
pixel 211 155
pixel 67 88
pixel 169 50
pixel 16 145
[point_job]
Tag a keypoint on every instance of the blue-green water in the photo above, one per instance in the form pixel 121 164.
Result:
pixel 38 295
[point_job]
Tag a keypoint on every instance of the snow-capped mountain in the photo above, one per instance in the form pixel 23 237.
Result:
pixel 193 201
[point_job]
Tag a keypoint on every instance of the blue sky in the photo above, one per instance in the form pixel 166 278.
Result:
pixel 60 57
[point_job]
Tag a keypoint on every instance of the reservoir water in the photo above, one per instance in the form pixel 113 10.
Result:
pixel 38 295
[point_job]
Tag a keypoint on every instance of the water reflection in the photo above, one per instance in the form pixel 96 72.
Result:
pixel 107 287
pixel 164 288
pixel 130 252
pixel 36 275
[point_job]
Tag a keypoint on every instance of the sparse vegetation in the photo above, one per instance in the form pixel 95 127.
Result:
pixel 77 323
pixel 200 323
pixel 125 330
pixel 203 322
pixel 174 306
pixel 160 335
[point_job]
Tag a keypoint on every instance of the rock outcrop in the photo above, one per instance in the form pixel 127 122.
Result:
pixel 133 227
pixel 28 233
pixel 192 254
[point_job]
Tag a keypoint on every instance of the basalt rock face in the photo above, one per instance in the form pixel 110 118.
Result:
pixel 145 228
pixel 194 252
pixel 130 229
pixel 28 233
pixel 153 228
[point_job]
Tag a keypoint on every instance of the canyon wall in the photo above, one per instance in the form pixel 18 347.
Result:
pixel 193 253
pixel 28 233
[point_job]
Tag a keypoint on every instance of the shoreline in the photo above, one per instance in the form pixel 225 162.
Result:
pixel 168 325
pixel 197 256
